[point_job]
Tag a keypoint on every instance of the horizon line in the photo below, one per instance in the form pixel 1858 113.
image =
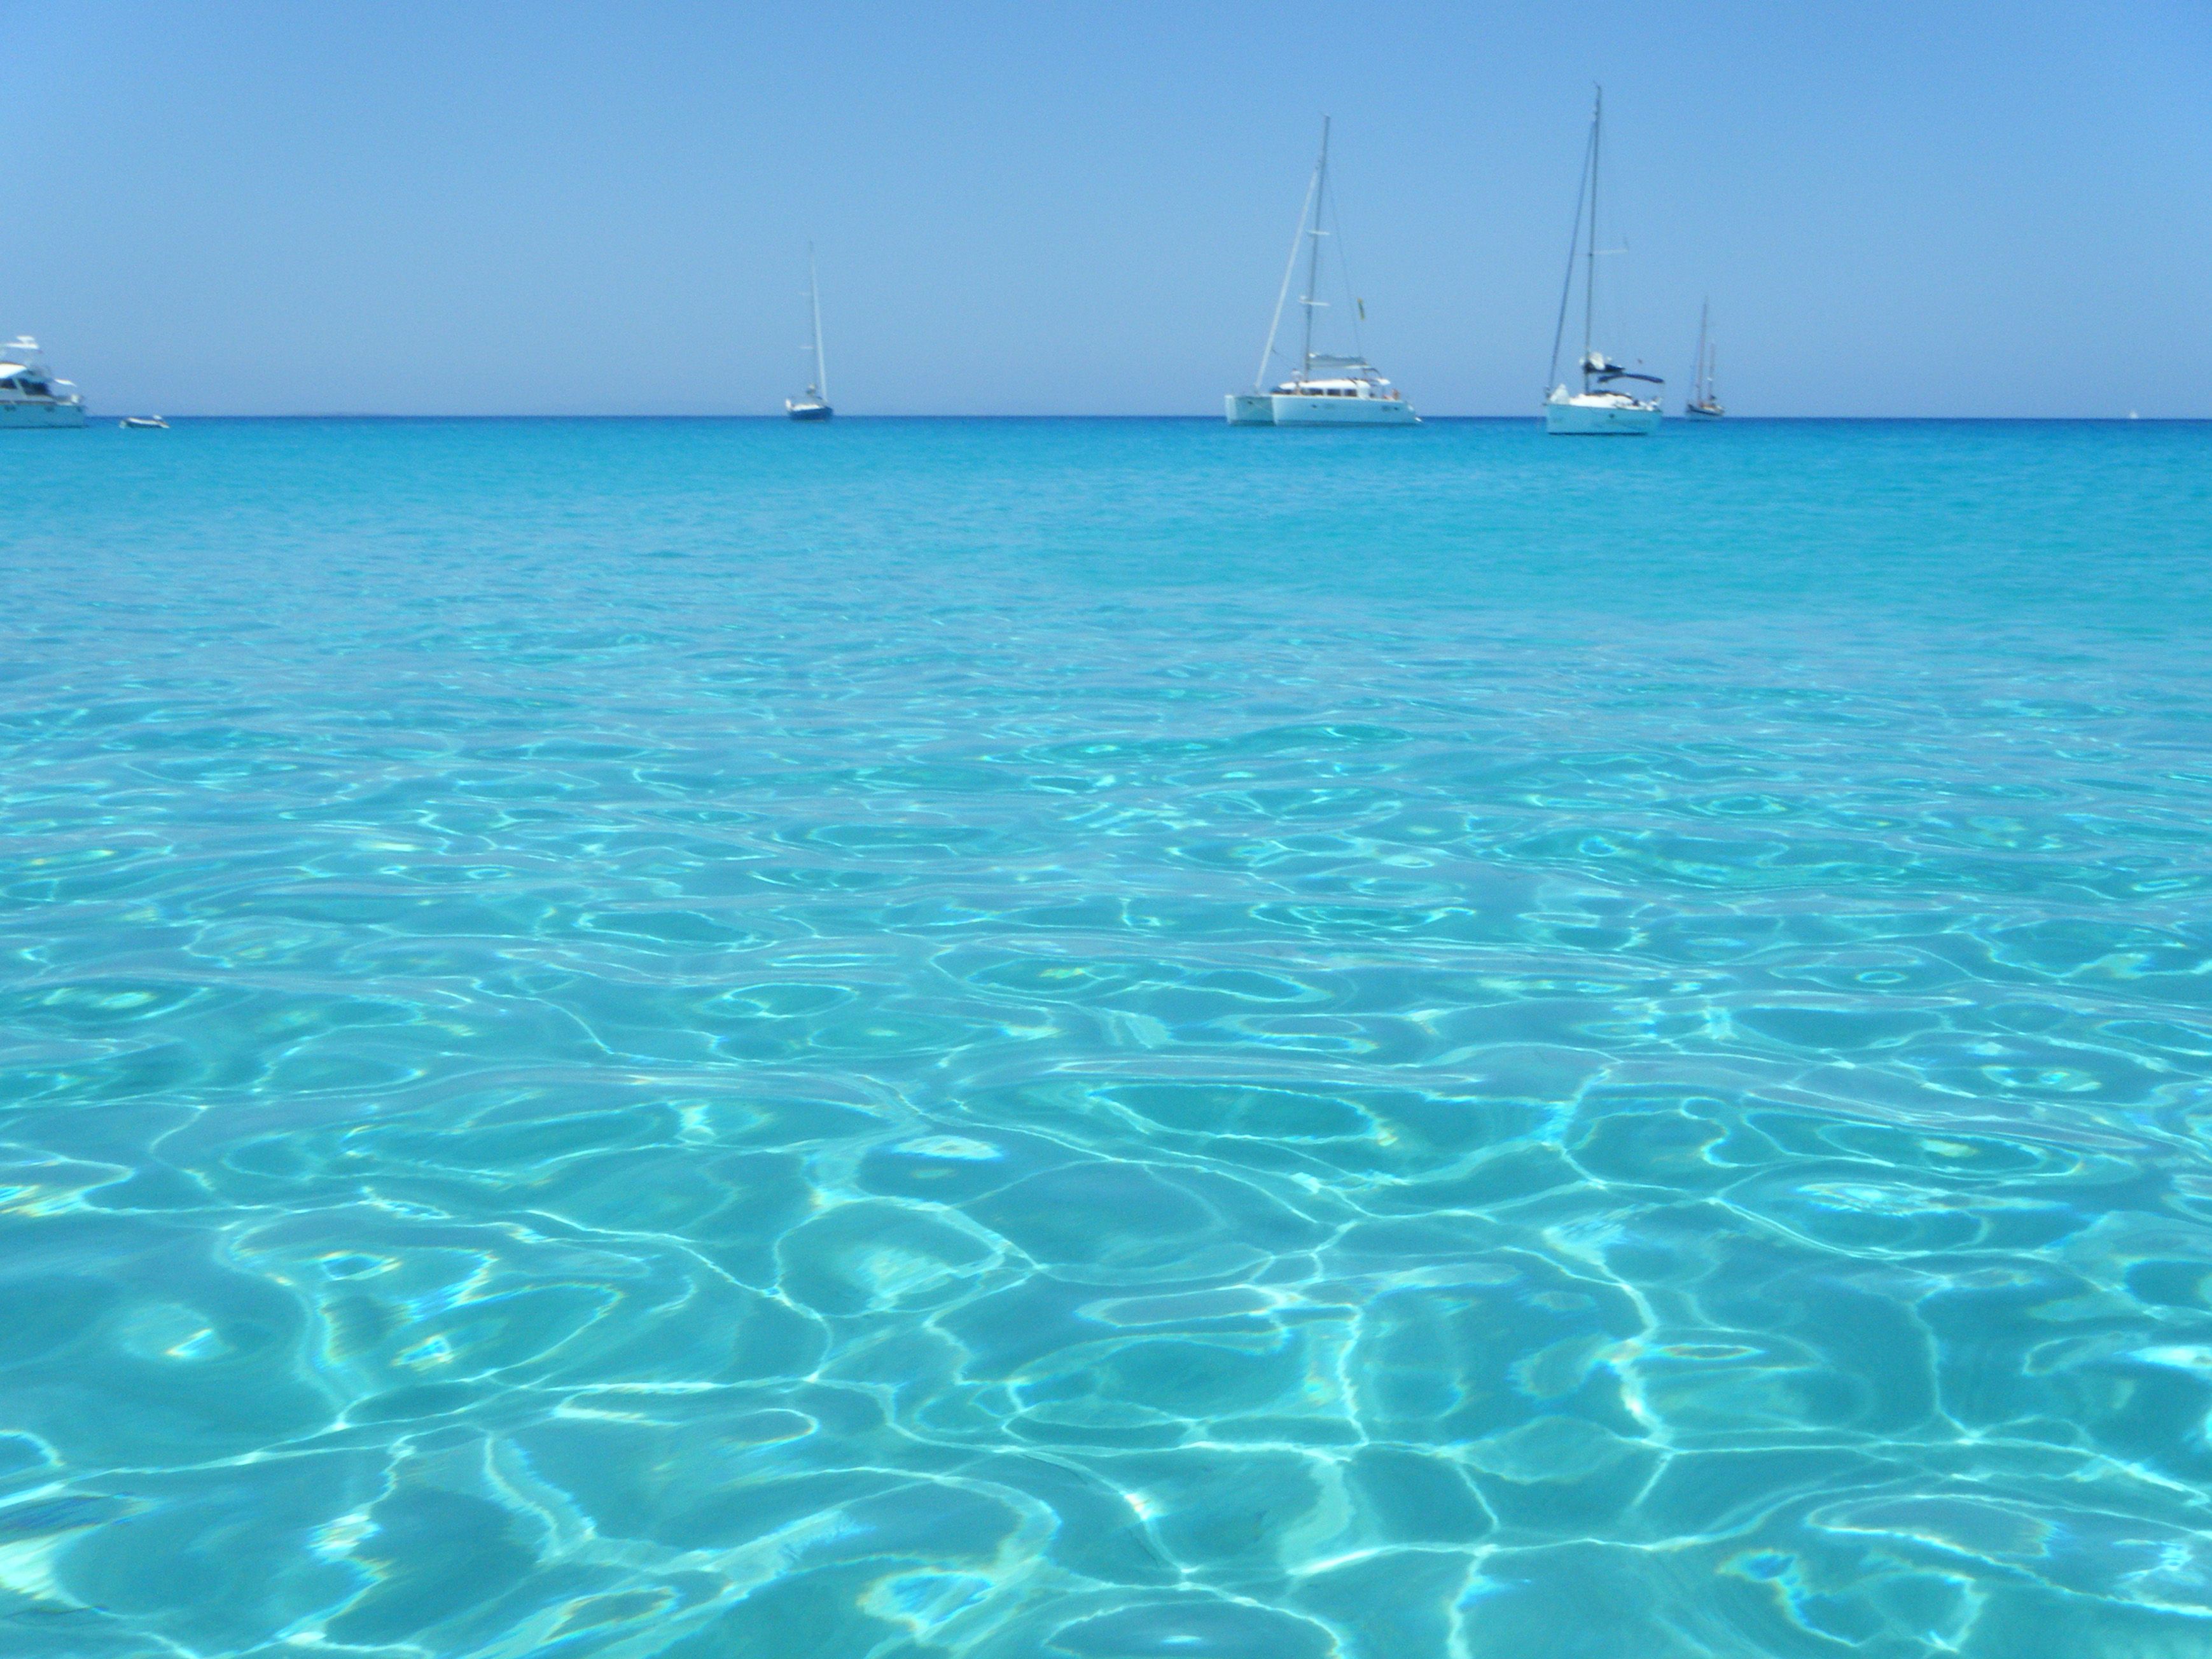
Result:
pixel 895 415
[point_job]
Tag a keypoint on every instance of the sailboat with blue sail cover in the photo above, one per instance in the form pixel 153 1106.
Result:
pixel 1605 407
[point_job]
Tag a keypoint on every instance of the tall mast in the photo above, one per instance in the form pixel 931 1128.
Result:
pixel 1589 279
pixel 1313 263
pixel 1698 368
pixel 814 302
pixel 1567 282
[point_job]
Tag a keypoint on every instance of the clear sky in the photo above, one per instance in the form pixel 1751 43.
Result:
pixel 265 206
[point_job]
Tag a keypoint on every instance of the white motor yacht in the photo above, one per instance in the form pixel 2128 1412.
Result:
pixel 29 394
pixel 1604 407
pixel 1325 390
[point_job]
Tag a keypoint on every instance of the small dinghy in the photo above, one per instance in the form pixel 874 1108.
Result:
pixel 144 423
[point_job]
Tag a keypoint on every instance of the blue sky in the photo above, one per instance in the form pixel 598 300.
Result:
pixel 1955 209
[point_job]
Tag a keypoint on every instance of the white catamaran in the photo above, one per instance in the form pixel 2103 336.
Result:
pixel 1325 390
pixel 1604 408
pixel 30 396
pixel 1703 405
pixel 815 405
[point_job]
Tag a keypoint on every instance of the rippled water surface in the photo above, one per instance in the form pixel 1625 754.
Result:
pixel 1105 1040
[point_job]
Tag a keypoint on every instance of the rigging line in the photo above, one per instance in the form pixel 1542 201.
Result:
pixel 1574 246
pixel 1313 262
pixel 1290 270
pixel 1344 269
pixel 1590 253
pixel 814 302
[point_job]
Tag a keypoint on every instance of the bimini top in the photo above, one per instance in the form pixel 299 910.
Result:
pixel 1337 377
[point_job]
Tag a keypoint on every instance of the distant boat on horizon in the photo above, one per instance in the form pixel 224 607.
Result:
pixel 1702 404
pixel 30 396
pixel 1602 408
pixel 815 405
pixel 1328 390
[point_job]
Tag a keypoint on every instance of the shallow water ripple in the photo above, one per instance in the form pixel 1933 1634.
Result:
pixel 764 1109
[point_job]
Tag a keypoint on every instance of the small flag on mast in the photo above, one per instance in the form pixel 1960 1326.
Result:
pixel 1363 311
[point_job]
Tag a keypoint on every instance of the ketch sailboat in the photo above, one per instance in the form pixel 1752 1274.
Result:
pixel 815 405
pixel 1702 404
pixel 1325 390
pixel 1604 408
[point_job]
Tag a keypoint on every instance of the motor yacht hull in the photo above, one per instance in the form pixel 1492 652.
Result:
pixel 28 413
pixel 1569 419
pixel 1283 408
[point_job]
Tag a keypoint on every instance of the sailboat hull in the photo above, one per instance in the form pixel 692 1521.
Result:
pixel 1577 420
pixel 1703 412
pixel 808 411
pixel 1280 409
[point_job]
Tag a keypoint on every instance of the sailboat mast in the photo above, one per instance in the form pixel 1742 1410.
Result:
pixel 1567 282
pixel 1698 368
pixel 814 302
pixel 1313 262
pixel 1590 279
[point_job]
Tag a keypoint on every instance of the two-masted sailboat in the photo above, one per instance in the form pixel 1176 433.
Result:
pixel 815 405
pixel 1325 390
pixel 1604 407
pixel 1702 404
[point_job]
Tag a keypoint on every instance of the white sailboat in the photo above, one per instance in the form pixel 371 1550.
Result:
pixel 1327 390
pixel 815 405
pixel 1604 408
pixel 30 396
pixel 1702 404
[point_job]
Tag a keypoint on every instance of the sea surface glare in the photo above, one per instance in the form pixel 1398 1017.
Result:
pixel 1105 1040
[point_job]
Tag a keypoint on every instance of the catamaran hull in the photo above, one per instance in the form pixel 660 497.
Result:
pixel 1278 409
pixel 28 415
pixel 1579 421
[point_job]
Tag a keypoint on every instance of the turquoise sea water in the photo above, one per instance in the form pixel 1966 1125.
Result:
pixel 1105 1040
